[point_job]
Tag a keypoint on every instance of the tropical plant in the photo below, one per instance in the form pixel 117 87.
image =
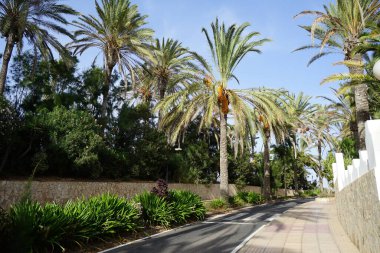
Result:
pixel 186 206
pixel 120 34
pixel 320 135
pixel 170 65
pixel 218 203
pixel 212 100
pixel 156 210
pixel 33 21
pixel 341 26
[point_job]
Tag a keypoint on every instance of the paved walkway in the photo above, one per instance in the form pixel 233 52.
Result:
pixel 310 228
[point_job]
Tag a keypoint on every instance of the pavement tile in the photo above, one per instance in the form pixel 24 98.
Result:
pixel 312 227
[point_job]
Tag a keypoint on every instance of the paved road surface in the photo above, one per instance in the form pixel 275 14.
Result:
pixel 223 234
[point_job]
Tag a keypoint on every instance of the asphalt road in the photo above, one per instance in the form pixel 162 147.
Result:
pixel 220 234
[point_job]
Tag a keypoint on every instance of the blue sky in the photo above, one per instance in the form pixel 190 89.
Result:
pixel 276 67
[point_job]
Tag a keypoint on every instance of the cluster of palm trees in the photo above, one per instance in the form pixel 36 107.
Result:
pixel 182 86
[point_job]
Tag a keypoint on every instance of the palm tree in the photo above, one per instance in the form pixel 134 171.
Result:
pixel 120 35
pixel 35 21
pixel 275 125
pixel 212 100
pixel 320 135
pixel 170 65
pixel 300 112
pixel 341 25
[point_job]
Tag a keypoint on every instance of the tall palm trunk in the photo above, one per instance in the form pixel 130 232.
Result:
pixel 223 156
pixel 105 93
pixel 6 58
pixel 320 178
pixel 266 181
pixel 361 105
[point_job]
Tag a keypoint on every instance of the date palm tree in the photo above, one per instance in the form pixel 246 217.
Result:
pixel 171 64
pixel 212 100
pixel 119 33
pixel 35 22
pixel 341 26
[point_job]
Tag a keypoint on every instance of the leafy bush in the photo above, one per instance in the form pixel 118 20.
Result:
pixel 254 198
pixel 186 206
pixel 102 215
pixel 218 203
pixel 38 228
pixel 155 209
pixel 235 201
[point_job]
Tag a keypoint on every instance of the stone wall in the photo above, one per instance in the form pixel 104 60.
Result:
pixel 357 192
pixel 358 209
pixel 61 191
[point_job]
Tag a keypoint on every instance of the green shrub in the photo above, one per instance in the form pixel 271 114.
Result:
pixel 235 201
pixel 186 206
pixel 44 228
pixel 218 203
pixel 254 198
pixel 102 215
pixel 155 210
pixel 243 195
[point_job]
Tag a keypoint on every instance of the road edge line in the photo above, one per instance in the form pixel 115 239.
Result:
pixel 241 245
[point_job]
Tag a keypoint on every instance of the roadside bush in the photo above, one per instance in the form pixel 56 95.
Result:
pixel 186 206
pixel 254 198
pixel 218 203
pixel 37 228
pixel 155 209
pixel 235 201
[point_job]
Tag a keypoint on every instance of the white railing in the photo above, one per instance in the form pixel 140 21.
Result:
pixel 368 160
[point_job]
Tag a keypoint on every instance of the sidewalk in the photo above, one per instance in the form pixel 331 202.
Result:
pixel 310 228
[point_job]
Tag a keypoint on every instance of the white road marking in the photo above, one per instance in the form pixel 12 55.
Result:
pixel 273 217
pixel 254 217
pixel 246 240
pixel 236 216
pixel 227 222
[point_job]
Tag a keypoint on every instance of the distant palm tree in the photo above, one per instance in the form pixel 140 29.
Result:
pixel 170 65
pixel 34 21
pixel 300 112
pixel 119 33
pixel 341 26
pixel 213 101
pixel 276 126
pixel 320 135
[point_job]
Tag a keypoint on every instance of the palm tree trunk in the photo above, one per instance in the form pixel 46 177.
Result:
pixel 266 181
pixel 223 156
pixel 6 58
pixel 295 170
pixel 362 112
pixel 320 178
pixel 105 93
pixel 361 105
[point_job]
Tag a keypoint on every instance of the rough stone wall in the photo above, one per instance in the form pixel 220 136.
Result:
pixel 358 209
pixel 61 191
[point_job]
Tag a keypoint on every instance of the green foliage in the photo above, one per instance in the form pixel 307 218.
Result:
pixel 155 210
pixel 254 198
pixel 186 206
pixel 218 203
pixel 235 201
pixel 73 135
pixel 39 228
pixel 248 197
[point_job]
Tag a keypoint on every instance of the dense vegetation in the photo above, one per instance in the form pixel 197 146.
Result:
pixel 32 227
pixel 156 109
